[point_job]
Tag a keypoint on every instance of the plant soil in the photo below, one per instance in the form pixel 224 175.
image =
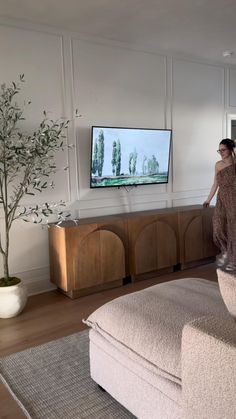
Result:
pixel 8 282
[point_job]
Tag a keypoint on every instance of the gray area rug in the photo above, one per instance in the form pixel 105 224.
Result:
pixel 52 381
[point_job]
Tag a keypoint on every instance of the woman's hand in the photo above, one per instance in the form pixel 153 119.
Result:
pixel 206 204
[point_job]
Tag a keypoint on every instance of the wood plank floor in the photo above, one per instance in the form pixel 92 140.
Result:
pixel 52 315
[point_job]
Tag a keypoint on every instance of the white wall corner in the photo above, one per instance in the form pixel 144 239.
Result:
pixel 36 280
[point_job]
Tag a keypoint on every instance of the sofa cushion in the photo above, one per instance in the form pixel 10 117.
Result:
pixel 149 323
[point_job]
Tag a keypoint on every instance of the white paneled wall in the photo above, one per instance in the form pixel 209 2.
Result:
pixel 39 56
pixel 198 111
pixel 114 85
pixel 232 90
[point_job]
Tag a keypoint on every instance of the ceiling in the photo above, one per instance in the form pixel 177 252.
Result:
pixel 196 28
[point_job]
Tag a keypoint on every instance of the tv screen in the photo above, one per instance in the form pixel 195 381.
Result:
pixel 129 156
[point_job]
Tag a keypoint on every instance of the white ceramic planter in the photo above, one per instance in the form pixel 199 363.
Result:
pixel 12 300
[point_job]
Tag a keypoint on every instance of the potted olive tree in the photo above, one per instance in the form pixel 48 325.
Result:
pixel 27 163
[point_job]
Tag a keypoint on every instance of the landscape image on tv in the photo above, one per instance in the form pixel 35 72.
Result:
pixel 129 156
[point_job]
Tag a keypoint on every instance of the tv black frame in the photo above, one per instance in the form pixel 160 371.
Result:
pixel 131 184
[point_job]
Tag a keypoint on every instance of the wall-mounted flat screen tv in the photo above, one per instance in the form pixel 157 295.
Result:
pixel 129 156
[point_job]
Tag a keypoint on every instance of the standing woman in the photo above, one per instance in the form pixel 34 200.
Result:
pixel 224 218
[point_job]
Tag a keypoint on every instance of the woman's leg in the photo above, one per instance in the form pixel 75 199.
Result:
pixel 220 229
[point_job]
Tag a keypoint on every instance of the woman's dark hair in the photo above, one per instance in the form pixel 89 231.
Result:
pixel 228 143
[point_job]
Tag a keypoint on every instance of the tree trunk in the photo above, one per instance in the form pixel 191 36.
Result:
pixel 6 252
pixel 5 265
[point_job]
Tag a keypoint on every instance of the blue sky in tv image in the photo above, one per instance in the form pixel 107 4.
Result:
pixel 146 142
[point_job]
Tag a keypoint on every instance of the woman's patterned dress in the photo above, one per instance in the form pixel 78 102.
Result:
pixel 224 219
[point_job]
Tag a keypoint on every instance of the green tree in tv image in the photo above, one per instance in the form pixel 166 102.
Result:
pixel 144 165
pixel 116 158
pixel 137 167
pixel 153 165
pixel 98 155
pixel 100 152
pixel 133 162
pixel 95 159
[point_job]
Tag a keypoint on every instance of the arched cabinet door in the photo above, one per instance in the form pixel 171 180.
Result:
pixel 167 245
pixel 155 247
pixel 145 254
pixel 100 259
pixel 193 240
pixel 112 256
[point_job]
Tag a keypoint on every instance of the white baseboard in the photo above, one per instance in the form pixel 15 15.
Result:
pixel 36 280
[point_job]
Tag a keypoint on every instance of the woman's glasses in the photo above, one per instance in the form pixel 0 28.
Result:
pixel 221 151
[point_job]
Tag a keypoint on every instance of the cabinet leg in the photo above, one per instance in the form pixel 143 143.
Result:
pixel 127 280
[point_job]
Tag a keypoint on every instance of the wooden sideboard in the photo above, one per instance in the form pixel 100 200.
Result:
pixel 98 253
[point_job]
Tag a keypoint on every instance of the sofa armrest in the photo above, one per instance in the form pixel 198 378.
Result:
pixel 209 368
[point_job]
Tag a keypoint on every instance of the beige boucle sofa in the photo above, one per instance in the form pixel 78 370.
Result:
pixel 167 352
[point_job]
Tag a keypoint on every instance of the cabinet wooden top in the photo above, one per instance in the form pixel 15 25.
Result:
pixel 116 217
